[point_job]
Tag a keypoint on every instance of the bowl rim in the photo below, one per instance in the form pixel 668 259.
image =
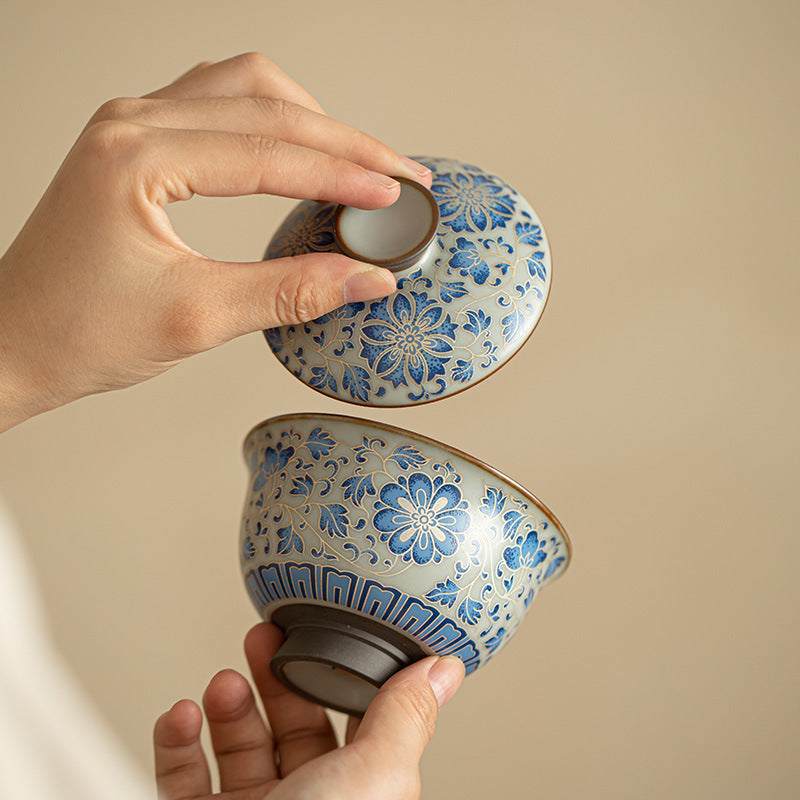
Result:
pixel 311 415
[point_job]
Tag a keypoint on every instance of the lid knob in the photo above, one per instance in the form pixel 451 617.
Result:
pixel 395 237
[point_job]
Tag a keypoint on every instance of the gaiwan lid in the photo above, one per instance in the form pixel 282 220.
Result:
pixel 473 273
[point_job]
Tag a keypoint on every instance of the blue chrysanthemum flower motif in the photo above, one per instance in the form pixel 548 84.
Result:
pixel 468 201
pixel 275 458
pixel 467 260
pixel 405 338
pixel 526 553
pixel 420 518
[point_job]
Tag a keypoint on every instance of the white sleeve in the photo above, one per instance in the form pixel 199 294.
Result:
pixel 52 742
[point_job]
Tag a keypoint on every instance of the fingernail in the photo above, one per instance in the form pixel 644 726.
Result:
pixel 370 284
pixel 445 677
pixel 383 180
pixel 415 166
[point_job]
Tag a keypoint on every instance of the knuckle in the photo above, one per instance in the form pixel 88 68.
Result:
pixel 111 140
pixel 119 108
pixel 255 62
pixel 260 146
pixel 280 109
pixel 265 107
pixel 295 299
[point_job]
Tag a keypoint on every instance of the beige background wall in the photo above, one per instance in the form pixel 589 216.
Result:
pixel 655 408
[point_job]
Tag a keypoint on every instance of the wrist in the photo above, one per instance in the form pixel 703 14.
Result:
pixel 20 399
pixel 15 404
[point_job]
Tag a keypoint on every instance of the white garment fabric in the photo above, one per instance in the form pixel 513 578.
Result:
pixel 53 744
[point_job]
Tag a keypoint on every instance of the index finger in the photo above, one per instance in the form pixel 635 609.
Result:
pixel 177 164
pixel 301 729
pixel 246 75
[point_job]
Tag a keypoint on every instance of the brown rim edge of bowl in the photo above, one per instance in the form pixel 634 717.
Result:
pixel 310 415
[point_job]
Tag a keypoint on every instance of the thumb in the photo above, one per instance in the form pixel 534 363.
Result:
pixel 403 714
pixel 286 291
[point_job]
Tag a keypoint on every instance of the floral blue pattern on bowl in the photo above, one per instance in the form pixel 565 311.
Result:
pixel 386 523
pixel 458 314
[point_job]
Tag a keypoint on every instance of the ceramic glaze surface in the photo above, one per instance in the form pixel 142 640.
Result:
pixel 458 314
pixel 385 523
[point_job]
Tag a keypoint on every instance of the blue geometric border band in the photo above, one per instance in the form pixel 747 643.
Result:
pixel 290 580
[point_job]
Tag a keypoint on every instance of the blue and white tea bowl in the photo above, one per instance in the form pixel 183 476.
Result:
pixel 459 313
pixel 373 546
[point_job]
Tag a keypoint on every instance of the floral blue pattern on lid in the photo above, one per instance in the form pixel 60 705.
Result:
pixel 457 315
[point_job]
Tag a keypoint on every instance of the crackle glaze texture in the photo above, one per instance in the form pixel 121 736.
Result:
pixel 388 524
pixel 456 316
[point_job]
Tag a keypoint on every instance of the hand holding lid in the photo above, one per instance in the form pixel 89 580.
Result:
pixel 473 275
